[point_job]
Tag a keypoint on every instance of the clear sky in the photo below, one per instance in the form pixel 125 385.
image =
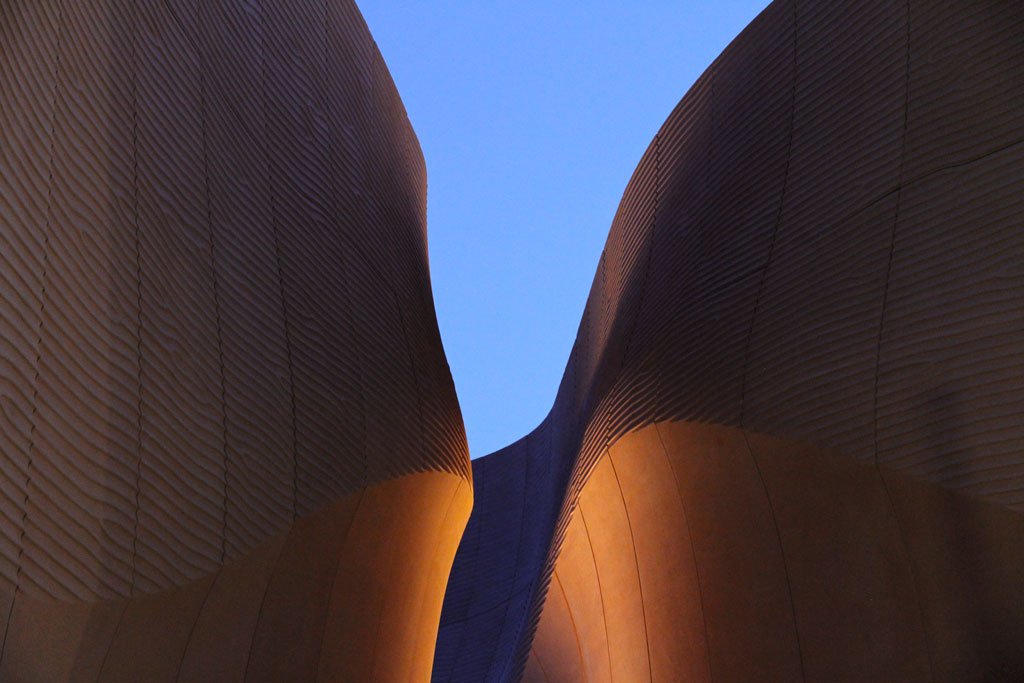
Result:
pixel 532 116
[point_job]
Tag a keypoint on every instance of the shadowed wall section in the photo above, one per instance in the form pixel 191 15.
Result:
pixel 822 245
pixel 231 444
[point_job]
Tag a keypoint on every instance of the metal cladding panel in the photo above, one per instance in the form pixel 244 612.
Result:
pixel 217 348
pixel 231 444
pixel 819 244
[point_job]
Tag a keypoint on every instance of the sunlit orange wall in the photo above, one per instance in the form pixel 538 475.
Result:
pixel 706 553
pixel 350 593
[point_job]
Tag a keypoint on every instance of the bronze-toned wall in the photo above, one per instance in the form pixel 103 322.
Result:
pixel 699 552
pixel 822 244
pixel 787 444
pixel 226 411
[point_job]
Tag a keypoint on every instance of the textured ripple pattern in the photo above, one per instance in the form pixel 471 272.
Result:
pixel 821 243
pixel 214 293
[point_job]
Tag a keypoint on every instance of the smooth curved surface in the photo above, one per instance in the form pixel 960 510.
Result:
pixel 821 244
pixel 732 556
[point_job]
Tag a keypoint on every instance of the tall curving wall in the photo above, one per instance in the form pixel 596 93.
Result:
pixel 787 445
pixel 231 448
pixel 788 442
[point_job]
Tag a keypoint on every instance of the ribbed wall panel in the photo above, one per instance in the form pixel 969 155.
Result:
pixel 817 244
pixel 215 307
pixel 182 481
pixel 820 303
pixel 327 420
pixel 31 33
pixel 390 393
pixel 952 352
pixel 257 392
pixel 966 89
pixel 217 316
pixel 820 308
pixel 850 99
pixel 81 502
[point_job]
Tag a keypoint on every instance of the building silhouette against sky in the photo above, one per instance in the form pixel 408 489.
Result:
pixel 787 446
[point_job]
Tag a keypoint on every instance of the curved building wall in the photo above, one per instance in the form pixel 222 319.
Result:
pixel 822 243
pixel 698 552
pixel 216 325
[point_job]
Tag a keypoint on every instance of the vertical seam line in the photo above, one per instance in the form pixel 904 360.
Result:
pixel 356 336
pixel 476 576
pixel 540 666
pixel 878 355
pixel 277 261
pixel 263 600
pixel 693 551
pixel 572 620
pixel 39 332
pixel 113 637
pixel 636 562
pixel 782 551
pixel 600 590
pixel 334 581
pixel 195 622
pixel 747 350
pixel 138 292
pixel 213 271
pixel 437 549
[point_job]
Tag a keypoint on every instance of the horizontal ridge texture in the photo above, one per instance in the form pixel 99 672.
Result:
pixel 821 243
pixel 214 297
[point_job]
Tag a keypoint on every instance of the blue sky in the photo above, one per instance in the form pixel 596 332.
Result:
pixel 532 116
